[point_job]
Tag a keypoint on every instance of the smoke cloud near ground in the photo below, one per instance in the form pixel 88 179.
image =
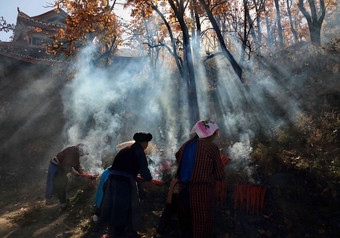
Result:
pixel 262 104
pixel 104 107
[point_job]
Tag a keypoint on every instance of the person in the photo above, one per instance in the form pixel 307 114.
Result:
pixel 100 193
pixel 103 182
pixel 120 205
pixel 199 167
pixel 66 161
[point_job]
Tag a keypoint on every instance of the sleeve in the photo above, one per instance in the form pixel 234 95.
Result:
pixel 143 165
pixel 77 166
pixel 218 165
pixel 179 153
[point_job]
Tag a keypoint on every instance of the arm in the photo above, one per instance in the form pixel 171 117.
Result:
pixel 218 165
pixel 179 153
pixel 76 170
pixel 77 167
pixel 143 165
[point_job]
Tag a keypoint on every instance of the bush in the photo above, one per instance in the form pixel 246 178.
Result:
pixel 310 147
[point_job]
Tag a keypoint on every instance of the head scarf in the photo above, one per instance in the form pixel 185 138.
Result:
pixel 142 137
pixel 205 129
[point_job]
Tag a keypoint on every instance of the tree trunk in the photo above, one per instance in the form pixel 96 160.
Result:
pixel 269 38
pixel 175 54
pixel 230 57
pixel 315 34
pixel 244 40
pixel 291 21
pixel 191 81
pixel 314 23
pixel 278 19
pixel 188 62
pixel 250 23
pixel 258 20
pixel 196 35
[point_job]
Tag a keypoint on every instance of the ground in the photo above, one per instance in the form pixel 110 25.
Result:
pixel 24 212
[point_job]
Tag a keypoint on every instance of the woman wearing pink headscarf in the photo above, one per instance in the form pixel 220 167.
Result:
pixel 199 167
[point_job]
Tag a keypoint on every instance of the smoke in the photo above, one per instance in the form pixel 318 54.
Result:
pixel 202 89
pixel 240 154
pixel 26 99
pixel 106 106
pixel 262 105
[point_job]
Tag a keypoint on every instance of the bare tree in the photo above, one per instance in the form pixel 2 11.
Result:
pixel 4 26
pixel 229 56
pixel 314 22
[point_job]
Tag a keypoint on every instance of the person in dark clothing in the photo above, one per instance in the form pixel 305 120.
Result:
pixel 120 206
pixel 66 161
pixel 103 182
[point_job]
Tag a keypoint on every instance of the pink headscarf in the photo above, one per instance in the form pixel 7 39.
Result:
pixel 205 129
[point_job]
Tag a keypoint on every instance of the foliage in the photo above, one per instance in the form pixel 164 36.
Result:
pixel 88 21
pixel 311 147
pixel 4 26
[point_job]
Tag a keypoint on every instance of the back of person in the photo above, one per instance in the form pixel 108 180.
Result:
pixel 205 169
pixel 206 156
pixel 68 158
pixel 120 207
pixel 126 160
pixel 196 197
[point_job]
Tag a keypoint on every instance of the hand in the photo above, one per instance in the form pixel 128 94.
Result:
pixel 75 172
pixel 139 178
pixel 225 159
pixel 94 176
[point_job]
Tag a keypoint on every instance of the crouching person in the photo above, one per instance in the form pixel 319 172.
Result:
pixel 120 207
pixel 66 161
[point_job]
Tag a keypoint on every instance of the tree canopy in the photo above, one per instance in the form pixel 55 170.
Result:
pixel 88 21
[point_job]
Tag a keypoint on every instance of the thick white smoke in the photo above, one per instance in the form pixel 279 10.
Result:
pixel 106 106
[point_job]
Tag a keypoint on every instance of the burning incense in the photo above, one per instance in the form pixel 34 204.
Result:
pixel 89 176
pixel 154 181
pixel 254 196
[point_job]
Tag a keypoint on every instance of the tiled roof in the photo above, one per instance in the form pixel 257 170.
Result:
pixel 36 20
pixel 35 55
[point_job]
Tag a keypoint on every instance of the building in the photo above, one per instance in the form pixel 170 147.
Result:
pixel 30 36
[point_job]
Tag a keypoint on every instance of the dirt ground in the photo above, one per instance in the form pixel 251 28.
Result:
pixel 286 212
pixel 25 213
